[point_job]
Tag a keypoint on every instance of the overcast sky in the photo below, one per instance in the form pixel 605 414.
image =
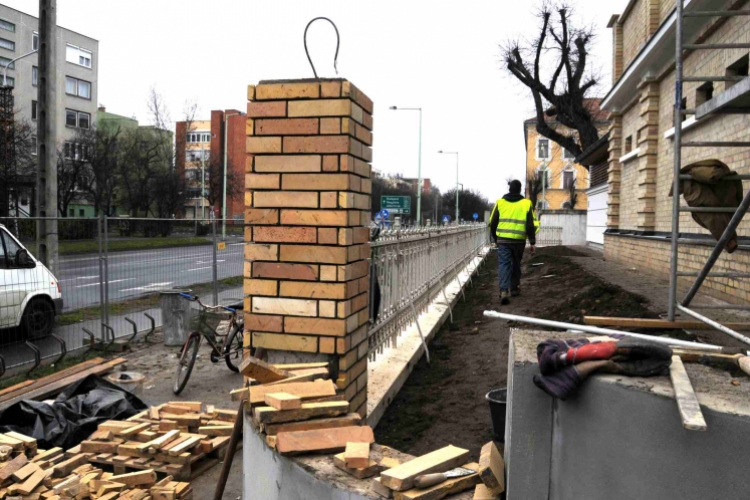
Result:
pixel 439 55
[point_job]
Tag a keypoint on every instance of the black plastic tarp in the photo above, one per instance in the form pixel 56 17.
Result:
pixel 74 415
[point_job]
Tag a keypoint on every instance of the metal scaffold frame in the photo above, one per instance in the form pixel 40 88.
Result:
pixel 738 213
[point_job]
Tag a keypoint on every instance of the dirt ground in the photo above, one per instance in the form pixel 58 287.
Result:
pixel 209 383
pixel 444 403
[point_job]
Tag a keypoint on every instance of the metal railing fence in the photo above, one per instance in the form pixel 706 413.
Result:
pixel 549 236
pixel 412 266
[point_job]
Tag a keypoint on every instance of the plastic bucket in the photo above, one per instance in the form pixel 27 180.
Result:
pixel 497 399
pixel 130 381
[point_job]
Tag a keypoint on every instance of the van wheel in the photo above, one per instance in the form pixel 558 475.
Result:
pixel 38 318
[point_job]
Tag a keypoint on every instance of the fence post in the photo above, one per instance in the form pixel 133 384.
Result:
pixel 105 285
pixel 215 264
pixel 99 237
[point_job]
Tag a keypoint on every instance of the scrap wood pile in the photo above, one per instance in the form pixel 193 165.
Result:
pixel 177 439
pixel 301 413
pixel 27 473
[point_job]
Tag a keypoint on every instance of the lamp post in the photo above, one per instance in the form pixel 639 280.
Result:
pixel 419 168
pixel 5 69
pixel 457 184
pixel 224 192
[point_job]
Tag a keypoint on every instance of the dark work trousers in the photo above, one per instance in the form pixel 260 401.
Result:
pixel 509 257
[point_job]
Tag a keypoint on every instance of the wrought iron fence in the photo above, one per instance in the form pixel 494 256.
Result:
pixel 412 266
pixel 549 236
pixel 111 270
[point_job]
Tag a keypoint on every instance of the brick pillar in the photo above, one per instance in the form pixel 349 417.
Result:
pixel 617 46
pixel 307 206
pixel 648 145
pixel 614 171
pixel 653 15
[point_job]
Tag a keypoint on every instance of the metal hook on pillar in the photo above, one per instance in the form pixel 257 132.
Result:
pixel 338 42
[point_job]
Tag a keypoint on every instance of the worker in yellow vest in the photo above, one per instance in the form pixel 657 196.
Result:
pixel 512 221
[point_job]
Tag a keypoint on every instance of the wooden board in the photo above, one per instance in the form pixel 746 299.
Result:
pixel 304 390
pixel 134 478
pixel 373 468
pixel 322 440
pixel 687 402
pixel 302 366
pixel 268 415
pixel 317 423
pixel 442 490
pixel 657 323
pixel 383 491
pixel 357 455
pixel 402 477
pixel 26 386
pixel 492 468
pixel 17 387
pixel 307 377
pixel 261 371
pixel 482 492
pixel 283 401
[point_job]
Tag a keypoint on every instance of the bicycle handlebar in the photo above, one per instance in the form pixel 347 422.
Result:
pixel 196 299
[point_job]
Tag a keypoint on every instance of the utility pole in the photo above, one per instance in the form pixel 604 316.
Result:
pixel 46 174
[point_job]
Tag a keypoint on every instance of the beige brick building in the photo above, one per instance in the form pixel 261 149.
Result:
pixel 641 103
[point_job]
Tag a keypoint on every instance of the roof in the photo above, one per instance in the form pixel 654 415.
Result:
pixel 594 153
pixel 592 103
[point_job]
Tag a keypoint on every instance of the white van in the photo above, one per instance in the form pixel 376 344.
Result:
pixel 30 295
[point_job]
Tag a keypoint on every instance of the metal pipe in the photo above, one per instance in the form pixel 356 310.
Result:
pixel 5 69
pixel 711 46
pixel 734 177
pixel 709 210
pixel 602 331
pixel 730 307
pixel 677 163
pixel 728 234
pixel 716 144
pixel 715 324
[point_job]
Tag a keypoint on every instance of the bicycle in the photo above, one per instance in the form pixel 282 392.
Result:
pixel 227 326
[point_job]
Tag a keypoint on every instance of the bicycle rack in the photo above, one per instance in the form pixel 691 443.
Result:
pixel 63 347
pixel 37 357
pixel 92 340
pixel 112 332
pixel 2 365
pixel 153 327
pixel 135 330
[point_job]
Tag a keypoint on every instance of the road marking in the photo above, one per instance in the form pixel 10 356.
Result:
pixel 80 278
pixel 209 262
pixel 113 281
pixel 196 269
pixel 150 286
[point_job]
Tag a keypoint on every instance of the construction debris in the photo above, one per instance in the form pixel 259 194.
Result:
pixel 687 402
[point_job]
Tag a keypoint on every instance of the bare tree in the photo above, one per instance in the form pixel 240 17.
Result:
pixel 214 173
pixel 74 176
pixel 17 169
pixel 562 95
pixel 536 185
pixel 103 163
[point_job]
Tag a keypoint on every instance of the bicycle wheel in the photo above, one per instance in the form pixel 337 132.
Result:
pixel 233 349
pixel 187 360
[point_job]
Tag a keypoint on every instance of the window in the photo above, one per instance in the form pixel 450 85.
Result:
pixel 7 25
pixel 77 55
pixel 542 149
pixel 198 137
pixel 704 93
pixel 5 60
pixel 76 87
pixel 34 145
pixel 34 76
pixel 569 178
pixel 33 110
pixel 77 119
pixel 683 106
pixel 81 212
pixel 71 212
pixel 35 41
pixel 10 251
pixel 738 68
pixel 628 144
pixel 567 154
pixel 7 44
pixel 74 151
pixel 10 81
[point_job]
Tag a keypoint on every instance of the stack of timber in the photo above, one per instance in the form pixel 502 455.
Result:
pixel 52 475
pixel 51 385
pixel 177 439
pixel 13 444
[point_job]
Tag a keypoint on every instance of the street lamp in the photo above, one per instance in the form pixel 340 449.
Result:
pixel 224 190
pixel 5 69
pixel 457 184
pixel 419 168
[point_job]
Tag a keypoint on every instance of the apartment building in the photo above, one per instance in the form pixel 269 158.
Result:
pixel 77 82
pixel 201 147
pixel 641 135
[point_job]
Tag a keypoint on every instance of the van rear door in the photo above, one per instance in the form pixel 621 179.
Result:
pixel 15 283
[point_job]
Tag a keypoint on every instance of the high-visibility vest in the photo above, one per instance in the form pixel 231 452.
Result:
pixel 512 219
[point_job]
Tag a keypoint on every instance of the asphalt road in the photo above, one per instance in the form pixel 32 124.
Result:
pixel 136 273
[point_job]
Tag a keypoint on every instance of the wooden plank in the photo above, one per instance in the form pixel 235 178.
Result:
pixel 98 447
pixel 153 413
pixel 132 431
pixel 240 394
pixel 373 468
pixel 29 442
pixel 492 468
pixel 48 454
pixel 305 390
pixel 17 387
pixel 302 366
pixel 261 371
pixel 24 472
pixel 283 401
pixel 36 393
pixel 225 415
pixel 319 423
pixel 357 455
pixel 687 402
pixel 135 478
pixel 216 430
pixel 268 415
pixel 158 442
pixel 195 406
pixel 184 446
pixel 65 468
pixel 313 372
pixel 657 323
pixel 442 490
pixel 307 377
pixel 402 477
pixel 322 440
pixel 31 482
pixel 24 387
pixel 383 491
pixel 482 492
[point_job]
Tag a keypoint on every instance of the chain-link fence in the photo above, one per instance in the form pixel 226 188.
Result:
pixel 411 268
pixel 108 272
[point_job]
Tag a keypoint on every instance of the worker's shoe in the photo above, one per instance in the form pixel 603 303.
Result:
pixel 516 292
pixel 504 298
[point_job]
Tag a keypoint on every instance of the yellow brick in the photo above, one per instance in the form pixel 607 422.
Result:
pixel 261 216
pixel 251 92
pixel 269 91
pixel 254 251
pixel 315 217
pixel 312 290
pixel 330 126
pixel 321 107
pixel 330 89
pixel 260 287
pixel 299 343
pixel 290 307
pixel 313 254
pixel 319 326
pixel 318 182
pixel 262 181
pixel 248 198
pixel 327 309
pixel 327 345
pixel 290 199
pixel 263 144
pixel 327 236
pixel 288 163
pixel 328 199
pixel 328 273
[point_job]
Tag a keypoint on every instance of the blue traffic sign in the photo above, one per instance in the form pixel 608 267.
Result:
pixel 446 218
pixel 476 216
pixel 385 214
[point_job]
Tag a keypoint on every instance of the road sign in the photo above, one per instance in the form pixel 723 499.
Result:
pixel 398 205
pixel 476 216
pixel 446 218
pixel 221 245
pixel 385 213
